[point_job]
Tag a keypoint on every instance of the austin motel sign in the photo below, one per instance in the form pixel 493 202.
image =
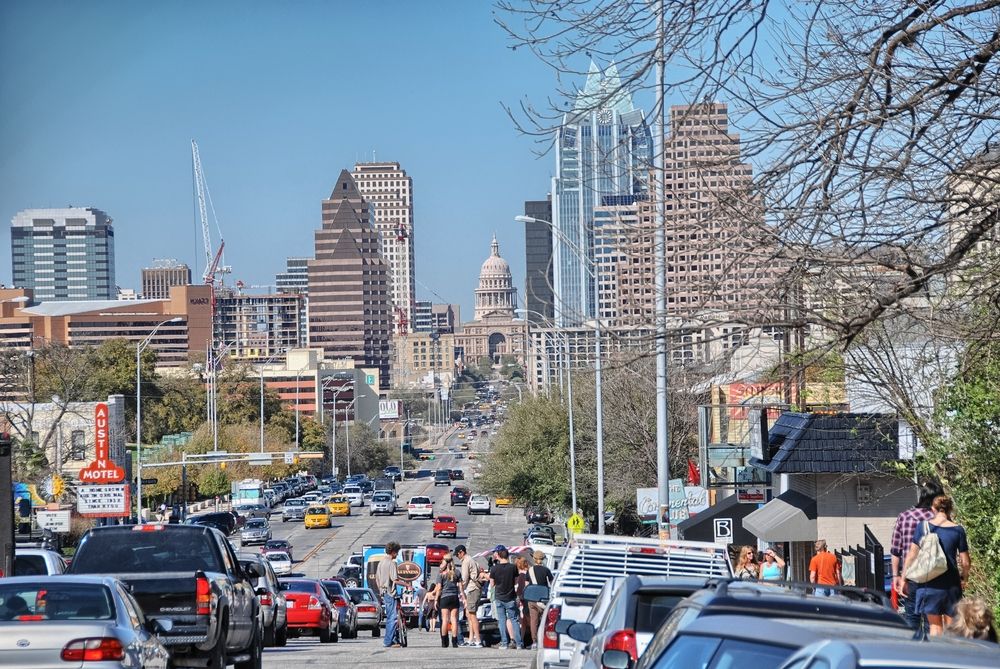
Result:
pixel 102 469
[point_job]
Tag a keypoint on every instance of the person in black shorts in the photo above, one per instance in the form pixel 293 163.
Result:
pixel 448 594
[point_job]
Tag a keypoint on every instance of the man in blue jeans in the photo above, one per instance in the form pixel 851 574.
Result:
pixel 387 579
pixel 502 577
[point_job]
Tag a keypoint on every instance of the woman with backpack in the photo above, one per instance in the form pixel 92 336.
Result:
pixel 942 589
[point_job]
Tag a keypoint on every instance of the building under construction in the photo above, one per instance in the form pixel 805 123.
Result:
pixel 258 327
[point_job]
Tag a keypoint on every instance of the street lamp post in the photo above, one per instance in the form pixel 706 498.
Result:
pixel 599 427
pixel 333 430
pixel 138 413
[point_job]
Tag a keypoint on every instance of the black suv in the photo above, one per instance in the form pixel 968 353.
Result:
pixel 442 477
pixel 779 600
pixel 460 495
pixel 393 473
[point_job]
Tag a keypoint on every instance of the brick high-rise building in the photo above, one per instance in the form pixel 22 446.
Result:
pixel 162 276
pixel 350 308
pixel 389 191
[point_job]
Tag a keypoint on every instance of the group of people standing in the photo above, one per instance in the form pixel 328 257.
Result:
pixel 752 565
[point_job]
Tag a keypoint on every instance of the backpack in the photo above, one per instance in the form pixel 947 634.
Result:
pixel 930 561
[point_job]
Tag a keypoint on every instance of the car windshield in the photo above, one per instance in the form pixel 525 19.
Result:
pixel 420 500
pixel 298 586
pixel 276 544
pixel 352 490
pixel 701 651
pixel 156 551
pixel 441 475
pixel 256 524
pixel 316 511
pixel 51 600
pixel 277 557
pixel 296 502
pixel 334 587
pixel 381 498
pixel 360 595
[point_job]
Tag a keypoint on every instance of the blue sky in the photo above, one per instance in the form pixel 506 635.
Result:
pixel 102 98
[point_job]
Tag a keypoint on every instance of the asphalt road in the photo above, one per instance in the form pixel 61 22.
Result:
pixel 321 552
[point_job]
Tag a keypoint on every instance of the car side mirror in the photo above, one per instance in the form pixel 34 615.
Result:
pixel 253 571
pixel 156 626
pixel 582 632
pixel 536 593
pixel 616 659
pixel 563 625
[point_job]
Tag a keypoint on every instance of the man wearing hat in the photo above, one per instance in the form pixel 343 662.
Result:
pixel 538 574
pixel 472 590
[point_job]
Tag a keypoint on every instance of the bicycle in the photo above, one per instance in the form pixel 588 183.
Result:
pixel 400 636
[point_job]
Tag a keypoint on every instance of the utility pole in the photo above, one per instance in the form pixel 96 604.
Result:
pixel 6 505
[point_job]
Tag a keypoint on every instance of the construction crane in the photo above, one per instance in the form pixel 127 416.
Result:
pixel 213 259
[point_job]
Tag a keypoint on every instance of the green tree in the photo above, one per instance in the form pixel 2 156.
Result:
pixel 213 480
pixel 174 404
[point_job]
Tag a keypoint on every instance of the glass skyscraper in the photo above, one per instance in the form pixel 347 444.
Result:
pixel 604 149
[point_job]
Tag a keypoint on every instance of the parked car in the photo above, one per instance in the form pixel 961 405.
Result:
pixel 382 502
pixel 420 507
pixel 479 504
pixel 369 610
pixel 278 545
pixel 271 600
pixel 317 517
pixel 182 576
pixel 76 621
pixel 895 654
pixel 460 495
pixel 280 561
pixel 351 574
pixel 442 477
pixel 347 612
pixel 310 611
pixel 256 531
pixel 37 562
pixel 338 505
pixel 445 526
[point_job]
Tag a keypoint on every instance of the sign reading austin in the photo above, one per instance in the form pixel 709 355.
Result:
pixel 102 469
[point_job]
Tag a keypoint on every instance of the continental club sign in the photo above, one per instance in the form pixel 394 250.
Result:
pixel 102 493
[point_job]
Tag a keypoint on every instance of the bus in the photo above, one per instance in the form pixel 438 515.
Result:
pixel 248 491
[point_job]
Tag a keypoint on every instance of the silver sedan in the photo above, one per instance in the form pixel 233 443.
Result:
pixel 75 620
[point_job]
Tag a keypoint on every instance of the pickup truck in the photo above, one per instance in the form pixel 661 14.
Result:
pixel 188 577
pixel 445 525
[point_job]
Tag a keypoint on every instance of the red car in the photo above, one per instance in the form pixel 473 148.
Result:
pixel 445 525
pixel 309 610
pixel 435 554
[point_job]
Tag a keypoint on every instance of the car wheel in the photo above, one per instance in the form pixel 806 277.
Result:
pixel 409 517
pixel 324 635
pixel 281 638
pixel 217 656
pixel 270 634
pixel 256 652
pixel 376 632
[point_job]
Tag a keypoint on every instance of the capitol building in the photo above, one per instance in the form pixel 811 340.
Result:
pixel 495 332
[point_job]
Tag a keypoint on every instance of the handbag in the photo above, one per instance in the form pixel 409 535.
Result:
pixel 931 561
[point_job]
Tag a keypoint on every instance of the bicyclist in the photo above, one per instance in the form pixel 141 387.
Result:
pixel 387 579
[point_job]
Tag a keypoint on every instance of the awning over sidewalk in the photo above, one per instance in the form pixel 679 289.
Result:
pixel 791 516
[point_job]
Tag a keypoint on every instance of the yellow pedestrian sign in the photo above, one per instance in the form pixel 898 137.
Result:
pixel 575 523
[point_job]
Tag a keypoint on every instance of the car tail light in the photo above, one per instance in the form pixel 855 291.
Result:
pixel 265 599
pixel 148 527
pixel 364 608
pixel 94 649
pixel 623 640
pixel 339 602
pixel 202 596
pixel 550 639
pixel 314 604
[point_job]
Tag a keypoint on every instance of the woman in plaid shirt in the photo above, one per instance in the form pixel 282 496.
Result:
pixel 902 537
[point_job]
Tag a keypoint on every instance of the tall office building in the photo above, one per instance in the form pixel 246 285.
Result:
pixel 64 254
pixel 295 280
pixel 389 191
pixel 162 276
pixel 538 263
pixel 604 148
pixel 440 318
pixel 350 309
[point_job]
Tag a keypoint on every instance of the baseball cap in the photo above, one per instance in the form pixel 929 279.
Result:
pixel 498 548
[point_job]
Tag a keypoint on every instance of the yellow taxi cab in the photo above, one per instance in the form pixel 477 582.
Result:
pixel 461 435
pixel 338 505
pixel 317 516
pixel 503 501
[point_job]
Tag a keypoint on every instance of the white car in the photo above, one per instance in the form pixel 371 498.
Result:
pixel 280 561
pixel 38 562
pixel 354 495
pixel 479 504
pixel 420 507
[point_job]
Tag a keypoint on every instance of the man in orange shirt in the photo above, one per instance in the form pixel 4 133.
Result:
pixel 824 569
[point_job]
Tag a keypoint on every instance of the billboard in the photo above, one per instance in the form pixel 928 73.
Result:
pixel 414 556
pixel 388 409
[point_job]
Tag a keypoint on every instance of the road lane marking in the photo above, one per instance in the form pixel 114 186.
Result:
pixel 315 549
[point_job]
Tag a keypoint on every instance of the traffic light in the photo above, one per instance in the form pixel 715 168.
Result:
pixel 5 444
pixel 222 465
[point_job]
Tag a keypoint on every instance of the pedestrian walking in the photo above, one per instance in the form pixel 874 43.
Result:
pixel 902 537
pixel 746 564
pixel 524 619
pixel 386 578
pixel 824 569
pixel 472 591
pixel 538 574
pixel 936 599
pixel 773 566
pixel 502 578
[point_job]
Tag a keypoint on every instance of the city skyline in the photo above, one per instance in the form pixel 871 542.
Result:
pixel 273 137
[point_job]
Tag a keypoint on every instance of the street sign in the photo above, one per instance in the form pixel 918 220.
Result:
pixel 575 523
pixel 723 529
pixel 289 457
pixel 259 458
pixel 311 455
pixel 103 501
pixel 102 469
pixel 56 521
pixel 150 481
